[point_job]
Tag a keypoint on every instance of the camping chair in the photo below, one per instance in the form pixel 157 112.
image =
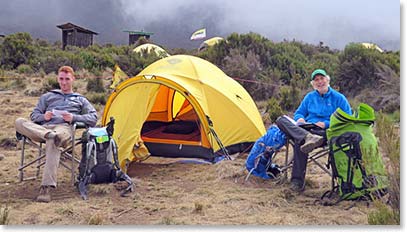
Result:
pixel 68 159
pixel 313 156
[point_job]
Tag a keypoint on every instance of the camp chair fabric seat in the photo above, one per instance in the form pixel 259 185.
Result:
pixel 68 158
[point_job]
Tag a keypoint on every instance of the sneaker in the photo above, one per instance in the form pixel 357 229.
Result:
pixel 55 137
pixel 45 195
pixel 297 185
pixel 311 142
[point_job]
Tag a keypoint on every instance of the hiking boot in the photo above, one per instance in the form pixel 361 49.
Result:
pixel 311 142
pixel 45 195
pixel 297 185
pixel 55 137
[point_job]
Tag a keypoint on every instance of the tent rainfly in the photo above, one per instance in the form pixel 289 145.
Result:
pixel 182 106
pixel 148 48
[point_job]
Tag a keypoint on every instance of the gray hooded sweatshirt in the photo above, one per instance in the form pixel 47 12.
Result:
pixel 74 103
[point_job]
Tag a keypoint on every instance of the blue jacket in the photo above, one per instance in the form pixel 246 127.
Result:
pixel 316 108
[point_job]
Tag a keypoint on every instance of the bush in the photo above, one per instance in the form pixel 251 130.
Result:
pixel 358 68
pixel 24 69
pixel 49 83
pixel 97 98
pixel 274 109
pixel 95 85
pixel 16 49
pixel 389 141
pixel 289 97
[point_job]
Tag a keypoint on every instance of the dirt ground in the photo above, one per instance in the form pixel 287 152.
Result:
pixel 167 191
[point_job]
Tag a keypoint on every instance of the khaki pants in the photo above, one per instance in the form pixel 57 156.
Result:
pixel 52 153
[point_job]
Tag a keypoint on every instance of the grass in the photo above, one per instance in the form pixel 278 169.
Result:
pixel 383 215
pixel 389 141
pixel 102 189
pixel 168 221
pixel 95 219
pixel 66 210
pixel 198 207
pixel 4 215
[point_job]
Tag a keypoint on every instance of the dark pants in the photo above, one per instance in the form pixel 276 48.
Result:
pixel 297 134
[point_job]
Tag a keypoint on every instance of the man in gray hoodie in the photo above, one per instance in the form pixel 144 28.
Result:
pixel 50 122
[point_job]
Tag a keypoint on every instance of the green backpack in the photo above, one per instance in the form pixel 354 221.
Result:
pixel 357 166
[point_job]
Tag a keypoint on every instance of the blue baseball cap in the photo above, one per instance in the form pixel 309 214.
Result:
pixel 317 72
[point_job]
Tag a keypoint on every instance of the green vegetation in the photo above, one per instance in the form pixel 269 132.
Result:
pixel 274 110
pixel 265 68
pixel 277 73
pixel 49 83
pixel 95 85
pixel 389 141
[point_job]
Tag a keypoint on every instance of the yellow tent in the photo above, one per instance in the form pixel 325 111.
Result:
pixel 148 48
pixel 182 106
pixel 118 76
pixel 372 46
pixel 209 43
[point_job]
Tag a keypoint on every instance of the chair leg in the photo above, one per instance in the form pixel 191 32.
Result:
pixel 24 165
pixel 73 155
pixel 287 145
pixel 39 160
pixel 21 171
pixel 68 154
pixel 314 158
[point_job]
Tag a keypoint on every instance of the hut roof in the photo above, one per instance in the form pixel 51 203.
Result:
pixel 68 26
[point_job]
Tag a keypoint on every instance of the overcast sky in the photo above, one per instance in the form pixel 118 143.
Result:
pixel 336 23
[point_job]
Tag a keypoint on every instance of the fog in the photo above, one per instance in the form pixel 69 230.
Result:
pixel 335 23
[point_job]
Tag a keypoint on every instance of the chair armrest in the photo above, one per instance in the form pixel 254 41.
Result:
pixel 80 125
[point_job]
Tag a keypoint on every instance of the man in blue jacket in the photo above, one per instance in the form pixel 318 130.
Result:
pixel 50 122
pixel 317 108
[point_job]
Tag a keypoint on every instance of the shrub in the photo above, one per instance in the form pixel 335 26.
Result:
pixel 274 109
pixel 357 69
pixel 49 83
pixel 97 98
pixel 24 69
pixel 16 49
pixel 289 97
pixel 95 85
pixel 389 140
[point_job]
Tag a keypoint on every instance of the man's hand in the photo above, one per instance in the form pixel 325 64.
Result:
pixel 320 124
pixel 67 117
pixel 48 115
pixel 301 120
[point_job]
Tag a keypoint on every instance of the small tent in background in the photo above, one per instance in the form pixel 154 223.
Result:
pixel 118 76
pixel 372 46
pixel 182 106
pixel 149 48
pixel 209 43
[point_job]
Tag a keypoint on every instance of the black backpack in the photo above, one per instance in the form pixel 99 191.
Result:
pixel 99 163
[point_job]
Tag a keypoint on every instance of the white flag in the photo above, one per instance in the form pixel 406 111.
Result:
pixel 199 34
